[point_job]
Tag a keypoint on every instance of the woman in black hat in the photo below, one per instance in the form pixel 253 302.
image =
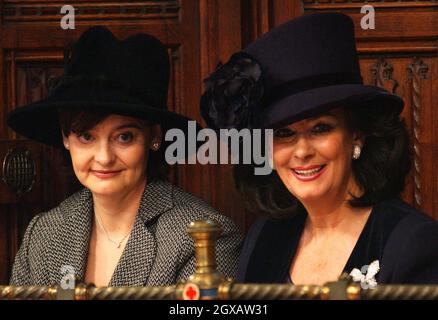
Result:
pixel 340 157
pixel 127 227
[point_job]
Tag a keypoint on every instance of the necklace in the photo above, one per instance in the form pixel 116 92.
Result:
pixel 116 243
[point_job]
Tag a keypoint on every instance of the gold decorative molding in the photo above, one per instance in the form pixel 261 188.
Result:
pixel 310 5
pixel 417 72
pixel 49 11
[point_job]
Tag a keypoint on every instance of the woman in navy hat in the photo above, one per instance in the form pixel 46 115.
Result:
pixel 341 154
pixel 127 226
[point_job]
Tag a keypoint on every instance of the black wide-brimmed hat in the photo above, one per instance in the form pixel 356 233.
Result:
pixel 297 70
pixel 127 77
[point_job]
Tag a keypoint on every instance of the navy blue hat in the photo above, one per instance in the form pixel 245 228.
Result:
pixel 306 66
pixel 127 77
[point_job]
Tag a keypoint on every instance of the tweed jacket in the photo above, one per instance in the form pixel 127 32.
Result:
pixel 158 251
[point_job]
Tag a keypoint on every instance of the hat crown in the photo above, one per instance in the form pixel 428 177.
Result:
pixel 127 77
pixel 307 66
pixel 306 47
pixel 139 64
pixel 89 54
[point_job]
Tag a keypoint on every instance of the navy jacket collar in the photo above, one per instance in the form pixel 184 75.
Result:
pixel 278 241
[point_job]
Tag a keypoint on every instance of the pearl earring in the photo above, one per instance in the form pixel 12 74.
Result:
pixel 67 146
pixel 356 151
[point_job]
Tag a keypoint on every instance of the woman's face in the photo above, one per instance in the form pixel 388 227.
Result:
pixel 313 157
pixel 111 158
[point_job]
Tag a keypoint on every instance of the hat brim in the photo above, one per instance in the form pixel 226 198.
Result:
pixel 313 102
pixel 39 121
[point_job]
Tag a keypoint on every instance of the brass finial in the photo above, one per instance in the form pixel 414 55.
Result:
pixel 343 289
pixel 206 280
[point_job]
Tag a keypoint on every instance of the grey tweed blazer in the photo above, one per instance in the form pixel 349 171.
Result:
pixel 158 252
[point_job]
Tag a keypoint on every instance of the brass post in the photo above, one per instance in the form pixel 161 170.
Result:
pixel 206 280
pixel 343 289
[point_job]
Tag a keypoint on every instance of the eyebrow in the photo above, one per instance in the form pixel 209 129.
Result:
pixel 328 114
pixel 129 125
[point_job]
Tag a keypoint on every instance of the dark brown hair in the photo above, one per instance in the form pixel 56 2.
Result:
pixel 380 171
pixel 79 121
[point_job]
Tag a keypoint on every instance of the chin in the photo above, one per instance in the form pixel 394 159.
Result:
pixel 104 187
pixel 309 196
pixel 105 191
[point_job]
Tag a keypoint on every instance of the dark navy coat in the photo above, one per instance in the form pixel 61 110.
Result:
pixel 404 240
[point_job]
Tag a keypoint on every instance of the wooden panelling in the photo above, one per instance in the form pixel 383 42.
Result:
pixel 346 5
pixel 411 78
pixel 48 11
pixel 220 37
pixel 399 55
pixel 14 219
pixel 259 16
pixel 31 53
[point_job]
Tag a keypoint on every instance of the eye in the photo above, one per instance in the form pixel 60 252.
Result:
pixel 85 137
pixel 283 133
pixel 125 137
pixel 322 128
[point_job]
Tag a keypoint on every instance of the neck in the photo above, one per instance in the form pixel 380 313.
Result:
pixel 118 212
pixel 327 216
pixel 333 213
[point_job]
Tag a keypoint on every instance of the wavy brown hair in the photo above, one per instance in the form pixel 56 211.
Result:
pixel 381 170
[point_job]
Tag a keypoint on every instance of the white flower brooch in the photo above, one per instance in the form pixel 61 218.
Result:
pixel 366 275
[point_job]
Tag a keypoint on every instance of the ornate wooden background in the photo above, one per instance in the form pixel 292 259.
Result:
pixel 400 55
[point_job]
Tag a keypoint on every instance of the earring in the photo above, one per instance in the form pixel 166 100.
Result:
pixel 155 145
pixel 67 146
pixel 356 151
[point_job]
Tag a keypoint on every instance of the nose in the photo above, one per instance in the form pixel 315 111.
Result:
pixel 303 149
pixel 104 154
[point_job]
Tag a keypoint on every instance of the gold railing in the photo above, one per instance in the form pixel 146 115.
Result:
pixel 226 291
pixel 208 284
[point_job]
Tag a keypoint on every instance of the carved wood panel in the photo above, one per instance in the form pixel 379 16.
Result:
pixel 32 46
pixel 400 55
pixel 411 79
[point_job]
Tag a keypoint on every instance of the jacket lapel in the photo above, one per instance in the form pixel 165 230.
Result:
pixel 137 260
pixel 69 248
pixel 275 249
pixel 372 241
pixel 70 245
pixel 272 266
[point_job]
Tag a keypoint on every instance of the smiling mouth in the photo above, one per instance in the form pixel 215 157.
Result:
pixel 105 174
pixel 308 173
